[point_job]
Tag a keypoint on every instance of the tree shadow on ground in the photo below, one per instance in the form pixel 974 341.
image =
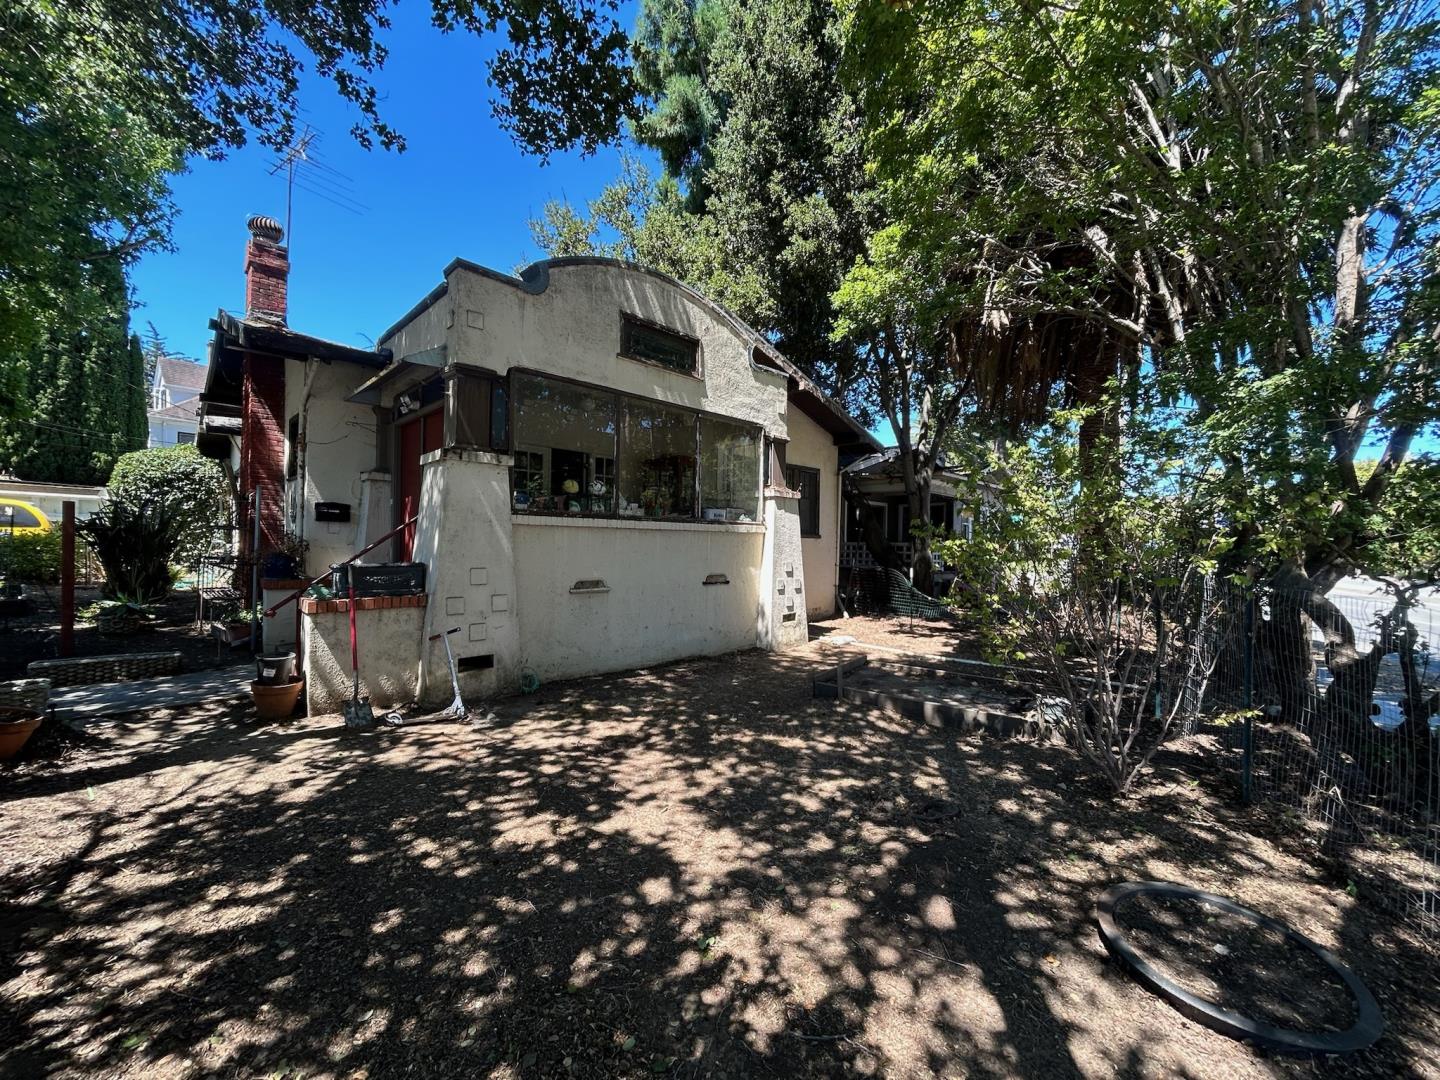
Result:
pixel 695 870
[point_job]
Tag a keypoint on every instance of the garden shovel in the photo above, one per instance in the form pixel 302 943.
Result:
pixel 358 714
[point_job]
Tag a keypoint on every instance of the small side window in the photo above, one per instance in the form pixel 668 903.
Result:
pixel 640 340
pixel 807 482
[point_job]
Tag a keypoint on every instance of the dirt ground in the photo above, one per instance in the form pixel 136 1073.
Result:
pixel 695 871
pixel 37 637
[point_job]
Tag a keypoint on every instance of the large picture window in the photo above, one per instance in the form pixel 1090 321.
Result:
pixel 807 483
pixel 729 471
pixel 564 448
pixel 657 461
pixel 582 450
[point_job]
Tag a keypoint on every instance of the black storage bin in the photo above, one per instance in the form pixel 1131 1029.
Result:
pixel 379 579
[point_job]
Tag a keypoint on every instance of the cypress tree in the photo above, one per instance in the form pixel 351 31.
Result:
pixel 85 399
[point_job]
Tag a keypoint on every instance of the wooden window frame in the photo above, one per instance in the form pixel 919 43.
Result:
pixel 796 470
pixel 629 322
pixel 621 397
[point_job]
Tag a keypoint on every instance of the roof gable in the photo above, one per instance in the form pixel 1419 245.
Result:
pixel 177 371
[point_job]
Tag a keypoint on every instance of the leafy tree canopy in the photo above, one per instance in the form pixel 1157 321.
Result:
pixel 189 488
pixel 102 100
pixel 1239 199
pixel 763 202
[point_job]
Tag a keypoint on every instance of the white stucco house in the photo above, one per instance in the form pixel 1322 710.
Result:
pixel 174 411
pixel 606 470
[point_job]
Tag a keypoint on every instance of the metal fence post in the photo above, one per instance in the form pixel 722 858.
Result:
pixel 1247 766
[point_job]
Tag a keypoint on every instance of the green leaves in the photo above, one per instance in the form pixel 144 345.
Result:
pixel 191 489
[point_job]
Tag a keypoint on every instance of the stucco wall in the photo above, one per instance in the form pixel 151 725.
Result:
pixel 426 330
pixel 389 643
pixel 784 622
pixel 813 447
pixel 572 329
pixel 464 538
pixel 657 606
pixel 339 444
pixel 510 581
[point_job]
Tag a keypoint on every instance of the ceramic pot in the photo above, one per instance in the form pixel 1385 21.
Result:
pixel 16 727
pixel 276 701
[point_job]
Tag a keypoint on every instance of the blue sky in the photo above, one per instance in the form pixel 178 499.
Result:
pixel 462 188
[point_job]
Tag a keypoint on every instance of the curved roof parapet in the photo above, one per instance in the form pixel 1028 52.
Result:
pixel 535 279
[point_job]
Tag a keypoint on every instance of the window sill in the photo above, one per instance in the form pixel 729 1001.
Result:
pixel 662 367
pixel 811 536
pixel 575 521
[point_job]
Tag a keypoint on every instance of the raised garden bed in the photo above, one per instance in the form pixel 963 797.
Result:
pixel 119 667
pixel 962 696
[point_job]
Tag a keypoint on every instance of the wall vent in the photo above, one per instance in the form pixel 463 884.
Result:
pixel 484 662
pixel 789 616
pixel 716 579
pixel 590 585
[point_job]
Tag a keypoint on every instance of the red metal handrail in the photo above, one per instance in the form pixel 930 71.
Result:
pixel 270 611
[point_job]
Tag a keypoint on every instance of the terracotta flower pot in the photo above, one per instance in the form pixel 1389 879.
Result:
pixel 16 727
pixel 276 701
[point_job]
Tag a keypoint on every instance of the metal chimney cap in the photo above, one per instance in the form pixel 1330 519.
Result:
pixel 265 228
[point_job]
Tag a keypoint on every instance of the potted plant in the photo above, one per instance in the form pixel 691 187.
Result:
pixel 287 559
pixel 232 624
pixel 16 727
pixel 119 616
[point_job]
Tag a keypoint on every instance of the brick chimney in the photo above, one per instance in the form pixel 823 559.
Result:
pixel 267 270
pixel 262 393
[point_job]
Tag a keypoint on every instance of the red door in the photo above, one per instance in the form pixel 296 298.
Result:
pixel 415 438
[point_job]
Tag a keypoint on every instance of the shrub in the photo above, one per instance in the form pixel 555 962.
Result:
pixel 135 545
pixel 191 488
pixel 30 558
pixel 1092 575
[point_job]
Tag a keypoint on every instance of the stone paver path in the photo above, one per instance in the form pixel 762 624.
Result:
pixel 84 703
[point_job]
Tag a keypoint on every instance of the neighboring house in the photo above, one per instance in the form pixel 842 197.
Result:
pixel 50 499
pixel 607 470
pixel 878 477
pixel 175 401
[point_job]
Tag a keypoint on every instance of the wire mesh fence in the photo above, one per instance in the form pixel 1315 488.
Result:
pixel 1330 705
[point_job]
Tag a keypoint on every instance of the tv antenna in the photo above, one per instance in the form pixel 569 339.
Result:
pixel 295 155
pixel 304 168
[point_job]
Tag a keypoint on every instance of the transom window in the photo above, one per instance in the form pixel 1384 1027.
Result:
pixel 583 450
pixel 653 344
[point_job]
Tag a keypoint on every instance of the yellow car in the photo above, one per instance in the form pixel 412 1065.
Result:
pixel 21 517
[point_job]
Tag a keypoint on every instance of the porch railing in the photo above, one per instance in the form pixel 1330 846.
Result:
pixel 854 553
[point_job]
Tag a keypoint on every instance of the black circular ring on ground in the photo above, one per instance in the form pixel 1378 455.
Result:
pixel 1366 1029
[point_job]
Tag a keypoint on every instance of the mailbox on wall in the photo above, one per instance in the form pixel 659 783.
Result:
pixel 332 511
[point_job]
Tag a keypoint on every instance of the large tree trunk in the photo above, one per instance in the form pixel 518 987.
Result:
pixel 871 532
pixel 1417 752
pixel 922 566
pixel 1339 723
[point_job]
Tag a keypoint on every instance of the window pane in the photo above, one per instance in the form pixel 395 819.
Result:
pixel 564 448
pixel 657 466
pixel 807 482
pixel 729 471
pixel 641 342
pixel 183 437
pixel 17 517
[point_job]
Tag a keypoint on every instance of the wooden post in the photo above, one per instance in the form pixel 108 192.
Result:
pixel 67 578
